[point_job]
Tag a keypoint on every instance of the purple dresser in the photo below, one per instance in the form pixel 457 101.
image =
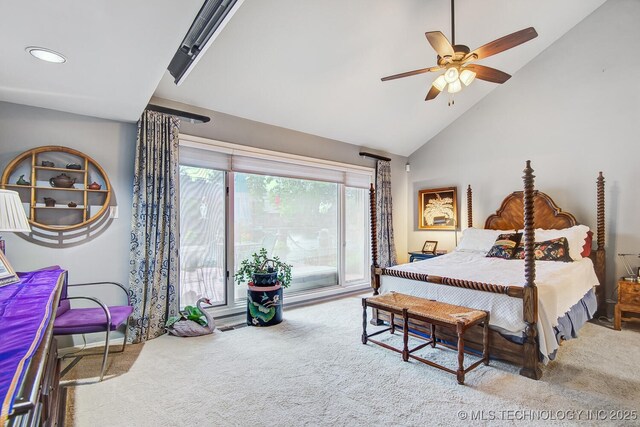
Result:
pixel 29 368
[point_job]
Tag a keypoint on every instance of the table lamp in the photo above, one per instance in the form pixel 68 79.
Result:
pixel 632 276
pixel 12 215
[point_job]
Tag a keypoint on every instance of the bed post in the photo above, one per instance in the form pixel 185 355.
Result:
pixel 469 207
pixel 600 252
pixel 531 364
pixel 375 267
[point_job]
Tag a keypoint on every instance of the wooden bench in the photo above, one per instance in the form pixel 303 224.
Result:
pixel 436 314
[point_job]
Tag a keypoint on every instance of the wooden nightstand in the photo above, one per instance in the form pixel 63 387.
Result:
pixel 628 301
pixel 419 256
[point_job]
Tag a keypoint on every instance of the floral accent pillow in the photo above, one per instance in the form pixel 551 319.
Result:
pixel 505 245
pixel 549 250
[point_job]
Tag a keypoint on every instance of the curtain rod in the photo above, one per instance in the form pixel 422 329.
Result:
pixel 192 117
pixel 374 156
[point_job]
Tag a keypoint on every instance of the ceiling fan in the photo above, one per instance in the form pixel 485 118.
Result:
pixel 458 61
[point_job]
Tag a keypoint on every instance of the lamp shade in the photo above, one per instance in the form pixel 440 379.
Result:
pixel 454 87
pixel 440 83
pixel 467 76
pixel 12 215
pixel 451 75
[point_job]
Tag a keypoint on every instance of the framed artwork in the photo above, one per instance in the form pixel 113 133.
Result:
pixel 437 209
pixel 429 247
pixel 7 273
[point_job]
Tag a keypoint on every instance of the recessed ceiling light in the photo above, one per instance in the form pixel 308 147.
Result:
pixel 46 54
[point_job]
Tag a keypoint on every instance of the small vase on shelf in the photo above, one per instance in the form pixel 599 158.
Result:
pixel 22 181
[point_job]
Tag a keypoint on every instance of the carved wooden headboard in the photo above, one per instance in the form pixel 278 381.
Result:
pixel 547 214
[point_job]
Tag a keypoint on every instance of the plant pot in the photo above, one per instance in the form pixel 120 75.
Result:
pixel 265 279
pixel 264 305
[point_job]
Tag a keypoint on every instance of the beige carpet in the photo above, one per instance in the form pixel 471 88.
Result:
pixel 312 370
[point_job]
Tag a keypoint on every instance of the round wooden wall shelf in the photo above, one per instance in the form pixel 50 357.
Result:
pixel 36 168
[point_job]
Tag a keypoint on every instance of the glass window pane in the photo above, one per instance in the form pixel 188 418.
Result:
pixel 294 219
pixel 356 235
pixel 202 235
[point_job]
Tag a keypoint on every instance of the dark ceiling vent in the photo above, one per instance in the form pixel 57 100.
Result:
pixel 211 19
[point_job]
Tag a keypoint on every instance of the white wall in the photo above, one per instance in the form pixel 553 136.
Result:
pixel 573 111
pixel 105 255
pixel 112 145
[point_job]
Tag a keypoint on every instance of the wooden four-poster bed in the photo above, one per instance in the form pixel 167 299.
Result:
pixel 522 210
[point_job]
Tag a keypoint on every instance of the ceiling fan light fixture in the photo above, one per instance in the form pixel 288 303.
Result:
pixel 467 76
pixel 440 83
pixel 455 58
pixel 454 87
pixel 451 75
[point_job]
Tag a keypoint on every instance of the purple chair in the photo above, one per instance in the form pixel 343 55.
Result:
pixel 70 321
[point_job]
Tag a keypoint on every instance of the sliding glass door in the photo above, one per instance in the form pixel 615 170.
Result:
pixel 202 235
pixel 356 253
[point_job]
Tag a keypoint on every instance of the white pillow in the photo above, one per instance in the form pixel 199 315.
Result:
pixel 575 235
pixel 479 240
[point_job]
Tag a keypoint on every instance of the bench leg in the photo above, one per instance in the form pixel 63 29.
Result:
pixel 393 324
pixel 485 340
pixel 405 334
pixel 460 372
pixel 433 335
pixel 364 320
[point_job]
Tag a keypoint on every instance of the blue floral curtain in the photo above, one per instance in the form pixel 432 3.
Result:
pixel 153 273
pixel 384 220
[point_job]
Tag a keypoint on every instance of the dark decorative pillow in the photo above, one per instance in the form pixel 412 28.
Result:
pixel 505 245
pixel 550 250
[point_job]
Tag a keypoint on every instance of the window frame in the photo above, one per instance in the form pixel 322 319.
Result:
pixel 233 305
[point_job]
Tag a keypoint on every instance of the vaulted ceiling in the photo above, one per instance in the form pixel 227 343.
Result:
pixel 312 66
pixel 315 66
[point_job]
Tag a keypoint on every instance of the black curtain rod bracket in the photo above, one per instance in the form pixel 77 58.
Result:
pixel 374 156
pixel 192 117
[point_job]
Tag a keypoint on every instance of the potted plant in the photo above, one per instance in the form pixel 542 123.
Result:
pixel 260 270
pixel 267 277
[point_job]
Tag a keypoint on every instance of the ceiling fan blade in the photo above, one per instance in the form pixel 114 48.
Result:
pixel 440 43
pixel 504 43
pixel 488 74
pixel 433 92
pixel 411 73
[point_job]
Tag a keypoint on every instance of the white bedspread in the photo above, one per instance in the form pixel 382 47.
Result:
pixel 560 286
